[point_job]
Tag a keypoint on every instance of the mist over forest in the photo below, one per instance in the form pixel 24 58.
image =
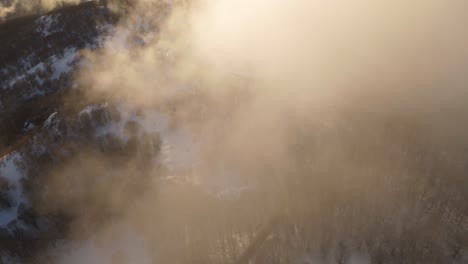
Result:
pixel 222 131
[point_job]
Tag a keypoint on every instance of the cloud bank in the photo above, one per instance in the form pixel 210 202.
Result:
pixel 314 104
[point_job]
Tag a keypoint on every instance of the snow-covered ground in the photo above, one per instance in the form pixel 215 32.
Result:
pixel 49 121
pixel 32 70
pixel 48 25
pixel 13 173
pixel 63 64
pixel 60 64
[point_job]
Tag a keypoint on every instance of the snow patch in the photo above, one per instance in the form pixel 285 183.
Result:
pixel 50 119
pixel 91 108
pixel 60 64
pixel 48 25
pixel 36 69
pixel 37 148
pixel 28 126
pixel 13 174
pixel 63 64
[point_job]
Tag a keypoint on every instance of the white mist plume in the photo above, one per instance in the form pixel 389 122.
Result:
pixel 297 48
pixel 259 81
pixel 301 57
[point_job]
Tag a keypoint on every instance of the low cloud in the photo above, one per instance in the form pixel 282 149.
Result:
pixel 296 99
